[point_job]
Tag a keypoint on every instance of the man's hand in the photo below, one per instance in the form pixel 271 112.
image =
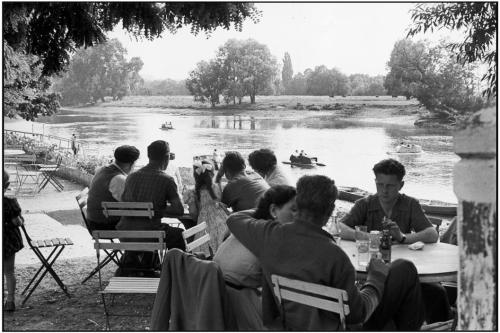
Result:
pixel 393 228
pixel 378 265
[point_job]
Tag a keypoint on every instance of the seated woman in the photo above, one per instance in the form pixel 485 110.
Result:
pixel 204 204
pixel 241 268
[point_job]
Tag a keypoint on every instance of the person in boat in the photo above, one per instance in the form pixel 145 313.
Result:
pixel 108 184
pixel 264 162
pixel 406 221
pixel 242 270
pixel 294 156
pixel 301 249
pixel 242 191
pixel 304 158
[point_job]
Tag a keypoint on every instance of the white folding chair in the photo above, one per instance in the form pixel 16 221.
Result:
pixel 199 230
pixel 311 294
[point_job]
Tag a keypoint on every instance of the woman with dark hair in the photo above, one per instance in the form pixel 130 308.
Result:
pixel 204 203
pixel 238 264
pixel 241 269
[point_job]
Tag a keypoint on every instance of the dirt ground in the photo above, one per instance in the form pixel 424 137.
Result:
pixel 49 309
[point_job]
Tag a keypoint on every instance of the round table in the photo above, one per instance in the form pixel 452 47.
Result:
pixel 437 262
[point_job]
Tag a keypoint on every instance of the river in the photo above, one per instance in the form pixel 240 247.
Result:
pixel 349 146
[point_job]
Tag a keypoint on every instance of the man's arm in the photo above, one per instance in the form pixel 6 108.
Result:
pixel 251 232
pixel 355 217
pixel 175 207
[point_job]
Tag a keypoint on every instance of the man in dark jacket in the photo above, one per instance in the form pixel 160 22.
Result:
pixel 107 185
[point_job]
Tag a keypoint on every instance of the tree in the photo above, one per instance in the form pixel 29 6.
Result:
pixel 52 31
pixel 100 71
pixel 248 67
pixel 478 19
pixel 434 77
pixel 287 71
pixel 298 85
pixel 207 81
pixel 326 82
pixel 365 85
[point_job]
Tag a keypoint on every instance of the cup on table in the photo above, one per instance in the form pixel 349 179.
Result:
pixel 362 244
pixel 334 229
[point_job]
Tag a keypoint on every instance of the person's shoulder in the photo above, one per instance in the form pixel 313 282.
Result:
pixel 406 199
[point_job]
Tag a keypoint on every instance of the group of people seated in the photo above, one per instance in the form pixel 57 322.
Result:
pixel 275 227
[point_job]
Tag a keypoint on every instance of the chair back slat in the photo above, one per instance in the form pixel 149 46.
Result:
pixel 311 294
pixel 131 246
pixel 158 234
pixel 197 243
pixel 194 230
pixel 137 209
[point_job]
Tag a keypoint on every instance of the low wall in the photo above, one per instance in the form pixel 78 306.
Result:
pixel 75 175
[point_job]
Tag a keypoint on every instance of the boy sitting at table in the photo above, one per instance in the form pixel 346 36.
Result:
pixel 405 218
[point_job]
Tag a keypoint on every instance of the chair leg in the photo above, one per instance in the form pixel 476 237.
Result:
pixel 37 253
pixel 48 268
pixel 99 267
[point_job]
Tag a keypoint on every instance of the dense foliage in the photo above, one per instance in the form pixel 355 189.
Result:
pixel 477 19
pixel 433 76
pixel 47 33
pixel 167 87
pixel 287 72
pixel 240 68
pixel 100 71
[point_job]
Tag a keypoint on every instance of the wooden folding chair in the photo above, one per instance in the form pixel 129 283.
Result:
pixel 48 172
pixel 57 245
pixel 204 237
pixel 311 294
pixel 448 325
pixel 81 199
pixel 128 285
pixel 27 173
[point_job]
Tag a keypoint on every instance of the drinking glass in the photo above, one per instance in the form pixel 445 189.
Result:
pixel 335 229
pixel 362 244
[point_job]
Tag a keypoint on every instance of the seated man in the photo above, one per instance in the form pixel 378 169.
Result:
pixel 264 162
pixel 242 191
pixel 406 221
pixel 152 184
pixel 107 185
pixel 303 250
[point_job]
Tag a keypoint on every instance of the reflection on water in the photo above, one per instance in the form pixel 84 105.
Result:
pixel 348 147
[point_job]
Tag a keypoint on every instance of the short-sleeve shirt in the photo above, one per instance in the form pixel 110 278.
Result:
pixel 278 177
pixel 243 192
pixel 147 185
pixel 407 213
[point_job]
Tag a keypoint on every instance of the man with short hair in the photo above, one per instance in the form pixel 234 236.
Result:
pixel 405 218
pixel 242 191
pixel 152 184
pixel 264 162
pixel 402 214
pixel 302 250
pixel 107 185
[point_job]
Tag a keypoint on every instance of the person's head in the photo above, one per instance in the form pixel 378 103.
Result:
pixel 159 153
pixel 263 161
pixel 233 164
pixel 315 199
pixel 125 157
pixel 277 203
pixel 389 175
pixel 203 173
pixel 6 182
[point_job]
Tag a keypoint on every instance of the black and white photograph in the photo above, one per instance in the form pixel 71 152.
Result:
pixel 240 166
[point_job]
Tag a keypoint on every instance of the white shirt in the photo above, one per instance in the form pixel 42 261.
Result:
pixel 117 184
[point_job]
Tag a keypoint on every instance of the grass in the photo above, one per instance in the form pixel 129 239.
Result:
pixel 262 102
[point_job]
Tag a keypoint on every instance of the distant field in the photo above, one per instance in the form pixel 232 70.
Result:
pixel 261 102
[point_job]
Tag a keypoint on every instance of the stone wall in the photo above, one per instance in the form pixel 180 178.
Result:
pixel 73 174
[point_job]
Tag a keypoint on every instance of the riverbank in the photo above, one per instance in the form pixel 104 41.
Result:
pixel 382 109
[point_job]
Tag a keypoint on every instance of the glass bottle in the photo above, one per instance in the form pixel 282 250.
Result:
pixel 385 246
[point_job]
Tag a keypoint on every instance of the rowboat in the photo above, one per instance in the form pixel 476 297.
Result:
pixel 433 207
pixel 167 126
pixel 407 149
pixel 303 161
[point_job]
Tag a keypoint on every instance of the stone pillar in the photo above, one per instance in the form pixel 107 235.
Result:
pixel 475 184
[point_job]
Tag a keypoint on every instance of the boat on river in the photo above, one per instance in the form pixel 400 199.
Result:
pixel 433 207
pixel 167 125
pixel 407 148
pixel 303 161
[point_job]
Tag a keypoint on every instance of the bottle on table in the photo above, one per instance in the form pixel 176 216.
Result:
pixel 385 246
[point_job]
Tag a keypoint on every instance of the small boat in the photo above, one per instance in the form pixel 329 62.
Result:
pixel 433 207
pixel 167 126
pixel 409 148
pixel 303 161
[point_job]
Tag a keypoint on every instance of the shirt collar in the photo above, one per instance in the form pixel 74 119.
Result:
pixel 311 227
pixel 374 203
pixel 118 167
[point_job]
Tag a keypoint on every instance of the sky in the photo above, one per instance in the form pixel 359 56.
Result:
pixel 352 37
